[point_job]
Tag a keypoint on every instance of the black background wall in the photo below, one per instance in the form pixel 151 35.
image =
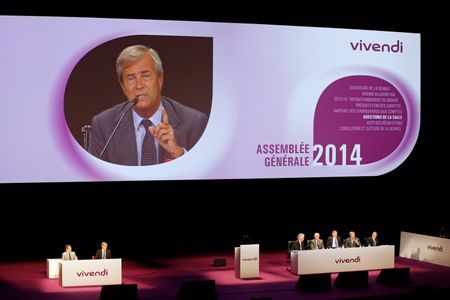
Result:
pixel 195 216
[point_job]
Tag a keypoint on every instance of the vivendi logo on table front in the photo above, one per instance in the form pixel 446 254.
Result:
pixel 348 260
pixel 92 273
pixel 435 248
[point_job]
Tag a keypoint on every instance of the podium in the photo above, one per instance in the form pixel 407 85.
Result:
pixel 421 247
pixel 246 261
pixel 53 267
pixel 90 272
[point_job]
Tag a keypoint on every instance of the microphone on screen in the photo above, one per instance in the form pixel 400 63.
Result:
pixel 130 105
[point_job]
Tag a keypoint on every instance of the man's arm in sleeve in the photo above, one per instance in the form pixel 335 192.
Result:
pixel 198 127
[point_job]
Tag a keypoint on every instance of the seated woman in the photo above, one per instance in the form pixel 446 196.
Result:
pixel 373 240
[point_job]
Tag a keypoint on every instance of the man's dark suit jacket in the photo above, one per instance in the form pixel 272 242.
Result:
pixel 296 245
pixel 330 242
pixel 188 125
pixel 98 254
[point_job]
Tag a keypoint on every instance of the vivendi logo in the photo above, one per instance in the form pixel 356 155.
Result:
pixel 92 273
pixel 348 260
pixel 377 47
pixel 435 248
pixel 250 259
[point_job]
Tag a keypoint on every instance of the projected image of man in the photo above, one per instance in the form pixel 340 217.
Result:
pixel 157 129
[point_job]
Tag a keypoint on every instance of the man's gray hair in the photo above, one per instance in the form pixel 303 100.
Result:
pixel 135 53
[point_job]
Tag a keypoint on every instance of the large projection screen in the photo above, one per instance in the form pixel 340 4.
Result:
pixel 275 101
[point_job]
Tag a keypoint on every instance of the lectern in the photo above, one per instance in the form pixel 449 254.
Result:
pixel 87 272
pixel 246 261
pixel 53 267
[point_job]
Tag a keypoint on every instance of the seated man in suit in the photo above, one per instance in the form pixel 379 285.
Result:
pixel 352 241
pixel 334 241
pixel 157 129
pixel 373 240
pixel 299 244
pixel 316 243
pixel 69 254
pixel 104 252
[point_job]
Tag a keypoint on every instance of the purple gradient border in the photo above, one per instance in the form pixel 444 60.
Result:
pixel 64 137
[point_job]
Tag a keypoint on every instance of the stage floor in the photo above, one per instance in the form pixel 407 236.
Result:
pixel 161 279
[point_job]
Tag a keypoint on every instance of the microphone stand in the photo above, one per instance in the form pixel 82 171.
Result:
pixel 246 239
pixel 130 105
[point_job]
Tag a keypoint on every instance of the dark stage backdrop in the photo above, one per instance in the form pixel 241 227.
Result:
pixel 153 219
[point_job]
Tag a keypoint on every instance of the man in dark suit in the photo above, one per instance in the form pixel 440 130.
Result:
pixel 373 240
pixel 104 252
pixel 334 241
pixel 157 129
pixel 352 241
pixel 299 244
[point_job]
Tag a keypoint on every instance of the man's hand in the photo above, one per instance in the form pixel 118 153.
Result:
pixel 166 137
